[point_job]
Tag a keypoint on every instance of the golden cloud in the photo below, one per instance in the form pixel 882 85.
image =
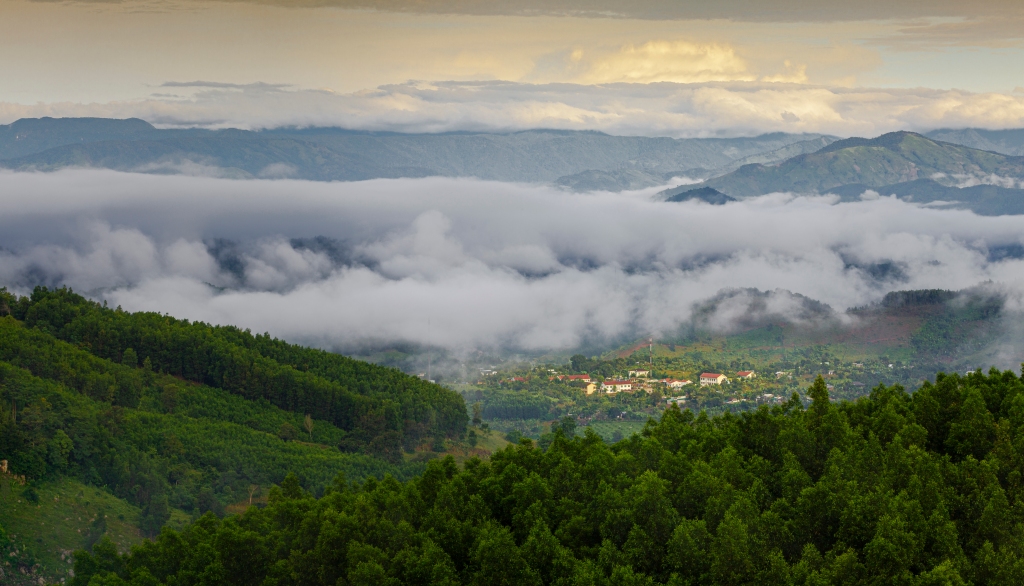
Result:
pixel 793 73
pixel 660 61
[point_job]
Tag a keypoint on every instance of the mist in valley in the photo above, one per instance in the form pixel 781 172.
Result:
pixel 475 268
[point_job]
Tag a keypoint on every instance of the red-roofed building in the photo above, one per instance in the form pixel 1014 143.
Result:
pixel 675 383
pixel 746 374
pixel 573 377
pixel 616 386
pixel 712 378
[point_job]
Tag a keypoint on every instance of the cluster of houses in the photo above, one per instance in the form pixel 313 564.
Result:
pixel 639 379
pixel 714 378
pixel 636 380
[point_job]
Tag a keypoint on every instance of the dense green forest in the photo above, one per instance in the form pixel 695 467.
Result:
pixel 171 415
pixel 893 488
pixel 379 408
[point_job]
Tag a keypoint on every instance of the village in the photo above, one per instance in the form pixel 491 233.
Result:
pixel 640 380
pixel 618 392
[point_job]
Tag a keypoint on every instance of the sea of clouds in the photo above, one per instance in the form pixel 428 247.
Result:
pixel 489 265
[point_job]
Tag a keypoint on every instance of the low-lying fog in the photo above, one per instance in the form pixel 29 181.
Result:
pixel 489 265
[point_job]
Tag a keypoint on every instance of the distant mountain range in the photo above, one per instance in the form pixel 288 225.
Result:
pixel 576 160
pixel 905 164
pixel 979 169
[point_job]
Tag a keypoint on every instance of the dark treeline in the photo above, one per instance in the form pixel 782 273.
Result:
pixel 501 403
pixel 381 409
pixel 894 488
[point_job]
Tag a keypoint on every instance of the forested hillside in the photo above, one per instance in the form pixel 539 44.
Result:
pixel 891 489
pixel 172 416
pixel 378 408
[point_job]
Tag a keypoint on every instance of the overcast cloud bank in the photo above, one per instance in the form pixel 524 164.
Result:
pixel 655 109
pixel 490 265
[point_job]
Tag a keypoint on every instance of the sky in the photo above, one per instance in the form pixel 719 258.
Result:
pixel 466 264
pixel 654 67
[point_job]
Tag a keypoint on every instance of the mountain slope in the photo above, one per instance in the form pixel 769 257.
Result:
pixel 34 135
pixel 637 177
pixel 1007 142
pixel 379 408
pixel 985 200
pixel 158 447
pixel 325 154
pixel 892 158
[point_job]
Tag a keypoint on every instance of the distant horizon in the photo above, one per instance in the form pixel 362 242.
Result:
pixel 157 126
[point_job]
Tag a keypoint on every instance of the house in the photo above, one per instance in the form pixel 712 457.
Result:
pixel 675 384
pixel 712 378
pixel 616 386
pixel 589 388
pixel 572 377
pixel 748 374
pixel 639 373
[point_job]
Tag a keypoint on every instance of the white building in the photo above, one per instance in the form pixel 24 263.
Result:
pixel 616 386
pixel 712 378
pixel 675 383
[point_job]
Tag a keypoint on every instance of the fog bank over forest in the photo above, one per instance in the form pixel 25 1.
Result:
pixel 489 265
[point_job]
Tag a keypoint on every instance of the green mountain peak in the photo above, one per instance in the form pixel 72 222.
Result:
pixel 896 157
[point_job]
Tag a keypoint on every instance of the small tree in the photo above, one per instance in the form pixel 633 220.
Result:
pixel 287 431
pixel 438 445
pixel 130 358
pixel 308 424
pixel 478 411
pixel 568 426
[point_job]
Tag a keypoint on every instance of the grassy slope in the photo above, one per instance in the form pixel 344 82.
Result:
pixel 48 532
pixel 488 442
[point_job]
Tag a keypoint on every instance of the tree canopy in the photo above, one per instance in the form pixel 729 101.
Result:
pixel 891 489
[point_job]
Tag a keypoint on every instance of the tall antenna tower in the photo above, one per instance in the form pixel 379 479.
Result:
pixel 428 349
pixel 650 342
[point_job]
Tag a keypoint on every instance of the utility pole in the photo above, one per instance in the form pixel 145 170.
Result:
pixel 428 349
pixel 650 342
